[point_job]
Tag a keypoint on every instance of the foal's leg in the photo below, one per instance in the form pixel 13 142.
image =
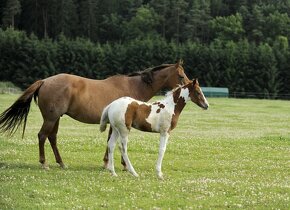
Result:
pixel 45 130
pixel 162 148
pixel 111 146
pixel 53 143
pixel 106 159
pixel 124 141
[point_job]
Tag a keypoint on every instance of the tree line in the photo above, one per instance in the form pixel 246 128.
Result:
pixel 239 44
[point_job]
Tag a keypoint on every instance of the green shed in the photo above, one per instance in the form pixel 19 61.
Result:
pixel 215 92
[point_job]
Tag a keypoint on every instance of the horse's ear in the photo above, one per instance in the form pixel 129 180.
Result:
pixel 179 63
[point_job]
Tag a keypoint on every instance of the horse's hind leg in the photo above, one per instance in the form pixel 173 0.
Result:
pixel 45 130
pixel 53 143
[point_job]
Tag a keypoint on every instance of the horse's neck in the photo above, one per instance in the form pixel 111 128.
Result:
pixel 145 92
pixel 140 90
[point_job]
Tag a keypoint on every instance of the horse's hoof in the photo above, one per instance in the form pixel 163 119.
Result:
pixel 125 168
pixel 62 166
pixel 44 166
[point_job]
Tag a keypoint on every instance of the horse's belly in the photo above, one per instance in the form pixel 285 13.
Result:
pixel 85 114
pixel 85 119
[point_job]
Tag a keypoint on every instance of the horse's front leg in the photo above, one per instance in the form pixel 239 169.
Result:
pixel 162 148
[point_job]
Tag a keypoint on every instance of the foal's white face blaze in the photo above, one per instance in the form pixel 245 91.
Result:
pixel 197 96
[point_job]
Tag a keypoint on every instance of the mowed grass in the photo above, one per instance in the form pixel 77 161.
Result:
pixel 234 155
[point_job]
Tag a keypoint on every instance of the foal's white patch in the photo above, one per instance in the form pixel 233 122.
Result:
pixel 118 110
pixel 161 121
pixel 185 94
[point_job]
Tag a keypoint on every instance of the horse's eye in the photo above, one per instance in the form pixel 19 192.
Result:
pixel 181 77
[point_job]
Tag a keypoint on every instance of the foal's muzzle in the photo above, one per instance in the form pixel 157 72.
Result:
pixel 205 107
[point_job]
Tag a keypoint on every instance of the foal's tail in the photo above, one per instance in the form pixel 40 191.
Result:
pixel 104 119
pixel 17 113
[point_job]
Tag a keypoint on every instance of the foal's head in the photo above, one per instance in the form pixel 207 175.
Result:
pixel 196 94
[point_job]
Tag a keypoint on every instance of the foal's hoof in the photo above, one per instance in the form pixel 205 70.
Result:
pixel 160 176
pixel 114 174
pixel 105 166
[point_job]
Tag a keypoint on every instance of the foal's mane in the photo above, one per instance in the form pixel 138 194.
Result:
pixel 147 74
pixel 170 92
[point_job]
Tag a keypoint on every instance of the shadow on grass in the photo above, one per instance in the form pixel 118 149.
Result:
pixel 52 167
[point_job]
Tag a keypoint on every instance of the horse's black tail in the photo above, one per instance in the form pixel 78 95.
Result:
pixel 17 113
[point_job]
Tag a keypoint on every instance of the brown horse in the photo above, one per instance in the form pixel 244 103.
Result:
pixel 84 99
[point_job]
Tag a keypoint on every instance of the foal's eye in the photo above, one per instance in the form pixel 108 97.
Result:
pixel 198 92
pixel 181 77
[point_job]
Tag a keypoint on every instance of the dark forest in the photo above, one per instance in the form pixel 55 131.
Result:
pixel 239 44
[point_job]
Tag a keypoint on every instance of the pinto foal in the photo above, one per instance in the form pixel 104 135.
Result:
pixel 159 117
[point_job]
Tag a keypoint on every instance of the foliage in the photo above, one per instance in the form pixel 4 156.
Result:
pixel 11 9
pixel 241 66
pixel 242 45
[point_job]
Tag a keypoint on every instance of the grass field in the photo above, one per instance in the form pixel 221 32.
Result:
pixel 234 155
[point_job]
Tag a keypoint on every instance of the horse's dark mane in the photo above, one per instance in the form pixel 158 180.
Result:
pixel 147 74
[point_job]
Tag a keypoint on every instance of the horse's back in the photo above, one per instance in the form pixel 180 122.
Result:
pixel 81 98
pixel 72 95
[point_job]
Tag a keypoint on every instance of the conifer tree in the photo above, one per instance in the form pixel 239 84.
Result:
pixel 11 9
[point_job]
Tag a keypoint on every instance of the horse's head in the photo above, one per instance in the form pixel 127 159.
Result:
pixel 196 94
pixel 178 76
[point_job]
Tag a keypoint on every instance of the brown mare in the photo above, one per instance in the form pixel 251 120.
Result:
pixel 84 99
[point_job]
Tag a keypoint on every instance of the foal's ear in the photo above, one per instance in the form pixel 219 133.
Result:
pixel 195 81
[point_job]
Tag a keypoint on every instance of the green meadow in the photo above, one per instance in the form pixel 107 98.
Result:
pixel 236 155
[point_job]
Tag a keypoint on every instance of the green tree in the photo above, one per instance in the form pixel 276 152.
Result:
pixel 11 9
pixel 161 7
pixel 88 21
pixel 219 8
pixel 196 27
pixel 264 73
pixel 277 24
pixel 282 53
pixel 111 28
pixel 65 18
pixel 143 24
pixel 177 19
pixel 228 28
